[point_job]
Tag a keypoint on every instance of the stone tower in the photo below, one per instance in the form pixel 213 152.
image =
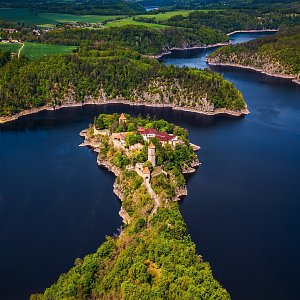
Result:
pixel 122 118
pixel 151 154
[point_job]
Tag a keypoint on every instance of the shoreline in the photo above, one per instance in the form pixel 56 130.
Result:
pixel 7 119
pixel 252 30
pixel 158 56
pixel 113 169
pixel 292 78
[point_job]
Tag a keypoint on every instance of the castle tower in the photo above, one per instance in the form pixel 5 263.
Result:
pixel 151 154
pixel 122 118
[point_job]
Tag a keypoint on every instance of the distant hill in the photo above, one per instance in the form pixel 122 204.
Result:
pixel 198 4
pixel 88 7
pixel 277 54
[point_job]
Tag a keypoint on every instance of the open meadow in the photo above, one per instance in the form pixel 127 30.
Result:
pixel 23 15
pixel 13 48
pixel 35 51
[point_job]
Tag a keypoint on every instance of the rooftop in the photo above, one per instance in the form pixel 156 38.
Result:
pixel 146 170
pixel 151 146
pixel 122 117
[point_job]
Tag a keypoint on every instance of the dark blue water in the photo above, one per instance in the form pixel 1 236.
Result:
pixel 242 209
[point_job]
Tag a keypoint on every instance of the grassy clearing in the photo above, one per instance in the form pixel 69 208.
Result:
pixel 158 17
pixel 13 48
pixel 24 15
pixel 21 15
pixel 169 14
pixel 65 18
pixel 35 51
pixel 130 21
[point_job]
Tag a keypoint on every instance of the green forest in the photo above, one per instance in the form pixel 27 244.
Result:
pixel 276 54
pixel 154 256
pixel 142 39
pixel 84 7
pixel 113 73
pixel 231 20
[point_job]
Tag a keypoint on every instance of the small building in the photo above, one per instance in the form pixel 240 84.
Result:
pixel 146 173
pixel 118 139
pixel 10 30
pixel 137 146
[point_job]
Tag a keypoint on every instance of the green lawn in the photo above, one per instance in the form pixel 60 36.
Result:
pixel 24 15
pixel 35 51
pixel 14 48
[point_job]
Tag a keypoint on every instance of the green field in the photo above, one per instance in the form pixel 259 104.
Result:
pixel 14 48
pixel 169 14
pixel 24 15
pixel 130 21
pixel 35 51
pixel 158 17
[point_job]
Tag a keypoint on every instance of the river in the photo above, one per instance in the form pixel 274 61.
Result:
pixel 243 205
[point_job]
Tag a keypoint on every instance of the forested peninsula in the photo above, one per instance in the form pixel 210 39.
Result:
pixel 110 74
pixel 153 257
pixel 276 55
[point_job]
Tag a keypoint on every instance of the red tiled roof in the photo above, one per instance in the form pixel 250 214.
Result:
pixel 151 145
pixel 146 170
pixel 162 136
pixel 122 117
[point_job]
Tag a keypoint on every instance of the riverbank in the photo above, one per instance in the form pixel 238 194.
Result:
pixel 27 112
pixel 252 30
pixel 284 76
pixel 158 56
pixel 107 165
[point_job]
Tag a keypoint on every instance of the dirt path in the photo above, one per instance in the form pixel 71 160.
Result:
pixel 153 196
pixel 19 52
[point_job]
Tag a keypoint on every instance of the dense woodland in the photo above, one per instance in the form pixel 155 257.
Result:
pixel 154 256
pixel 139 38
pixel 231 20
pixel 110 74
pixel 215 4
pixel 277 54
pixel 78 7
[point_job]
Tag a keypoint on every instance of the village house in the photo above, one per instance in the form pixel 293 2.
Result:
pixel 10 30
pixel 137 146
pixel 118 139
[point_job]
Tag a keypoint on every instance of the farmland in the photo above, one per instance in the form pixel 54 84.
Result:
pixel 130 21
pixel 159 17
pixel 13 48
pixel 23 15
pixel 35 51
